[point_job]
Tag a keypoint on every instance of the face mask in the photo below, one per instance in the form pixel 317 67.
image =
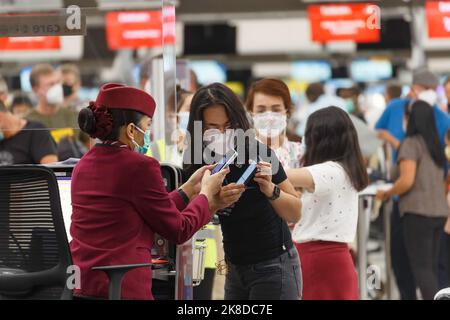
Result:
pixel 55 95
pixel 220 143
pixel 142 149
pixel 447 152
pixel 2 136
pixel 67 90
pixel 184 119
pixel 429 96
pixel 350 105
pixel 270 124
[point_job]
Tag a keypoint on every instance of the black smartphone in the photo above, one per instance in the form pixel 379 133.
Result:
pixel 225 162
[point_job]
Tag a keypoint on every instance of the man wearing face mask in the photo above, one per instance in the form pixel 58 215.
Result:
pixel 23 142
pixel 71 83
pixel 390 125
pixel 391 129
pixel 48 90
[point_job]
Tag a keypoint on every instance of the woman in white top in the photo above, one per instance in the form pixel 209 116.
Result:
pixel 332 175
pixel 269 103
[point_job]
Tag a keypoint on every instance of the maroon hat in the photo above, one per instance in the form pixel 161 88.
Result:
pixel 119 96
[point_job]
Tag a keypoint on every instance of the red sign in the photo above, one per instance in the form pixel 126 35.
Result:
pixel 134 29
pixel 30 43
pixel 438 18
pixel 345 22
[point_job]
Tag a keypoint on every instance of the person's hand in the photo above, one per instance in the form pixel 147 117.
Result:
pixel 383 134
pixel 382 195
pixel 193 185
pixel 263 178
pixel 195 181
pixel 211 183
pixel 447 226
pixel 228 195
pixel 389 138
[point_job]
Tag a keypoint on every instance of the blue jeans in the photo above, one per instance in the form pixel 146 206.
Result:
pixel 275 279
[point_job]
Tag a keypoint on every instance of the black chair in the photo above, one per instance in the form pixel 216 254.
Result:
pixel 34 251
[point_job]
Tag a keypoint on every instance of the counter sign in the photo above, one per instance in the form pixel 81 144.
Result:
pixel 68 22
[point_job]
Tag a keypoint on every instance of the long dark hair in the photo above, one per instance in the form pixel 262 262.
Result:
pixel 421 122
pixel 331 136
pixel 209 96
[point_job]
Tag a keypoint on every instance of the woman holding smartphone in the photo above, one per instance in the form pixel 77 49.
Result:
pixel 262 262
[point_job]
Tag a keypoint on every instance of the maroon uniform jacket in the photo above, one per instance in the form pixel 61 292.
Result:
pixel 119 201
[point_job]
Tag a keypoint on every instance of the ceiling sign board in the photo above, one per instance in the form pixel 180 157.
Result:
pixel 8 6
pixel 438 18
pixel 134 29
pixel 30 43
pixel 345 22
pixel 66 22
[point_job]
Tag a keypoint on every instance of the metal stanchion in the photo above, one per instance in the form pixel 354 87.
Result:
pixel 362 236
pixel 364 214
pixel 387 251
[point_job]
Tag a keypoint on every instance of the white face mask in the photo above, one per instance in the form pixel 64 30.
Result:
pixel 270 124
pixel 220 143
pixel 55 95
pixel 430 96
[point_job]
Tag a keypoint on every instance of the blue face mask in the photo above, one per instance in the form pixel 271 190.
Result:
pixel 142 149
pixel 350 105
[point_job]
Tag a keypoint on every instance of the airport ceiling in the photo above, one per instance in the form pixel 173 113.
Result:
pixel 203 9
pixel 240 6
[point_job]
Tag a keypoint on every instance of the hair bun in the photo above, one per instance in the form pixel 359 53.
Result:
pixel 95 121
pixel 86 121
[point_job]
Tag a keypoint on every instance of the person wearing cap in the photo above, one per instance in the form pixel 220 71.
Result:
pixel 391 129
pixel 119 199
pixel 390 125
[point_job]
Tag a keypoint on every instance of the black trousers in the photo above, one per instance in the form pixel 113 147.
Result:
pixel 401 266
pixel 422 241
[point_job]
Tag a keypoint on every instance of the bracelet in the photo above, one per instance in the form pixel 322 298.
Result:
pixel 183 195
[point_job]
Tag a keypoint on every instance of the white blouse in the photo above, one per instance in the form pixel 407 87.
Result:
pixel 330 213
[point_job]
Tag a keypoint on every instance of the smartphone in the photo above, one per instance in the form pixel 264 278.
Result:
pixel 248 173
pixel 225 162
